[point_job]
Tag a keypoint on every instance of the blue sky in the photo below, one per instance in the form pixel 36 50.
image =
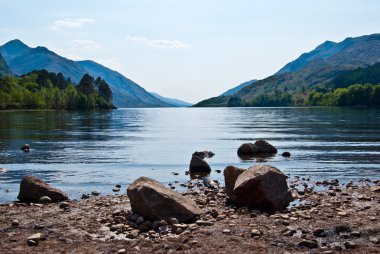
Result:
pixel 187 49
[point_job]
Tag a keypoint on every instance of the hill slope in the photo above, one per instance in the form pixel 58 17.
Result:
pixel 23 59
pixel 126 92
pixel 172 101
pixel 238 88
pixel 4 70
pixel 320 65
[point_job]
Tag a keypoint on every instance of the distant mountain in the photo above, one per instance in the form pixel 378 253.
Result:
pixel 23 59
pixel 126 92
pixel 172 101
pixel 4 69
pixel 318 66
pixel 238 88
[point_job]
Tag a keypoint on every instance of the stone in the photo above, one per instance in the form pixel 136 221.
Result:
pixel 374 240
pixel 173 221
pixel 33 188
pixel 115 189
pixel 260 147
pixel 231 173
pixel 350 245
pixel 44 200
pixel 64 205
pixel 204 223
pixel 319 232
pixel 15 223
pixel 155 201
pixel 203 154
pixel 25 148
pixel 199 165
pixel 121 251
pixel 139 220
pixel 37 237
pixel 255 232
pixel 226 231
pixel 95 193
pixel 308 243
pixel 85 196
pixel 133 234
pixel 262 187
pixel 375 188
pixel 285 154
pixel 32 242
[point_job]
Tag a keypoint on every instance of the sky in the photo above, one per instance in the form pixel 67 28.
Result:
pixel 187 49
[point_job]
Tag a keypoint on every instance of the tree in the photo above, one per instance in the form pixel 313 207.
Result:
pixel 104 90
pixel 86 85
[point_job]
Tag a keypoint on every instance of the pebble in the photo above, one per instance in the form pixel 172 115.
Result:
pixel 44 200
pixel 226 231
pixel 308 243
pixel 139 220
pixel 319 232
pixel 255 232
pixel 350 245
pixel 115 189
pixel 121 251
pixel 64 205
pixel 118 186
pixel 15 223
pixel 133 234
pixel 95 193
pixel 374 240
pixel 85 196
pixel 32 242
pixel 204 223
pixel 173 221
pixel 39 226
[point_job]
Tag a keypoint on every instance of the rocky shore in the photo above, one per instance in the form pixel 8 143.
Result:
pixel 325 217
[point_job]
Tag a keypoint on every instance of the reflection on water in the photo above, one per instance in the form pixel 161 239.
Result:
pixel 82 151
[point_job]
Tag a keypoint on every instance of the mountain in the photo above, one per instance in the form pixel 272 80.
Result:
pixel 23 59
pixel 126 92
pixel 4 69
pixel 238 88
pixel 318 66
pixel 172 101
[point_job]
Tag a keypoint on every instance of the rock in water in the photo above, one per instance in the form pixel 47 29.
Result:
pixel 198 165
pixel 33 188
pixel 155 201
pixel 204 154
pixel 260 147
pixel 25 148
pixel 231 173
pixel 263 187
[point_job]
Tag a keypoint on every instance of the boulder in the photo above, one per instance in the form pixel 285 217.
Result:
pixel 155 201
pixel 204 154
pixel 199 165
pixel 260 147
pixel 33 188
pixel 262 187
pixel 25 148
pixel 231 173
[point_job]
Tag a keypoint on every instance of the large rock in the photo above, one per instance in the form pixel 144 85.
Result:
pixel 260 147
pixel 155 201
pixel 263 187
pixel 33 188
pixel 198 165
pixel 231 173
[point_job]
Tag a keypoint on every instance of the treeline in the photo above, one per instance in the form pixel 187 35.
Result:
pixel 45 90
pixel 354 95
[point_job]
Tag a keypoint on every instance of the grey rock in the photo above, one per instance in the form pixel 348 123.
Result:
pixel 33 188
pixel 254 188
pixel 44 200
pixel 95 193
pixel 15 223
pixel 64 205
pixel 155 201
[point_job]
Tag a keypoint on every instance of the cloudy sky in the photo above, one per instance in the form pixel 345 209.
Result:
pixel 187 49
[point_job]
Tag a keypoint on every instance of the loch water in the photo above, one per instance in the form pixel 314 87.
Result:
pixel 81 151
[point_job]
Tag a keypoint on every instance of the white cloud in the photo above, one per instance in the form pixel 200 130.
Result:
pixel 85 44
pixel 158 43
pixel 168 44
pixel 71 23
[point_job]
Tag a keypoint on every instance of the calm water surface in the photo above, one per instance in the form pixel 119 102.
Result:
pixel 83 151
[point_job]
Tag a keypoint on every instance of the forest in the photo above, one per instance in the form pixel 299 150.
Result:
pixel 45 90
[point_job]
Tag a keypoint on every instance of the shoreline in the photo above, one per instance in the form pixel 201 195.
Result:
pixel 339 218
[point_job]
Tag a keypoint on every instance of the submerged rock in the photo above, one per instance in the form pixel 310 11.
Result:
pixel 260 147
pixel 263 187
pixel 25 148
pixel 33 188
pixel 204 154
pixel 155 201
pixel 198 165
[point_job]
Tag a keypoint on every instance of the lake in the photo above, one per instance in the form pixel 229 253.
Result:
pixel 83 151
